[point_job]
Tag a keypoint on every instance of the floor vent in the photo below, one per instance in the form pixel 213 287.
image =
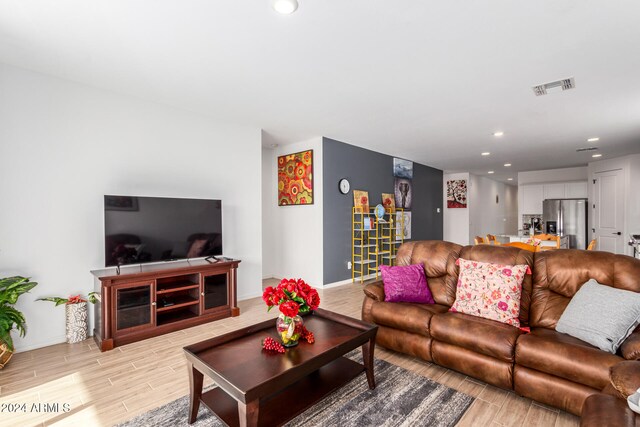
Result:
pixel 579 150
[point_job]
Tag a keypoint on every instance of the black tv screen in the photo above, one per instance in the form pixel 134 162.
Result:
pixel 150 229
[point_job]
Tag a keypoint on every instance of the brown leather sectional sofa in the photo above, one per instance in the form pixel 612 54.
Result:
pixel 544 365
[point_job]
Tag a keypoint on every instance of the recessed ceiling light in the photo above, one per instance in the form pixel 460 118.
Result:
pixel 285 6
pixel 490 172
pixel 506 165
pixel 486 153
pixel 499 133
pixel 594 139
pixel 596 155
pixel 509 179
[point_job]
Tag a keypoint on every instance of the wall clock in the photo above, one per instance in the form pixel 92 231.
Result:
pixel 344 185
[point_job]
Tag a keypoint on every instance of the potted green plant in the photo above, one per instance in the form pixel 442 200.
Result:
pixel 76 314
pixel 10 318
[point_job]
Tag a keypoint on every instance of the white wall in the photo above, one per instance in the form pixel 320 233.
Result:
pixel 553 175
pixel 269 211
pixel 485 215
pixel 64 145
pixel 455 221
pixel 633 221
pixel 630 165
pixel 296 237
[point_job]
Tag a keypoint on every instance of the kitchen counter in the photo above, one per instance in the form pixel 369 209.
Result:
pixel 521 237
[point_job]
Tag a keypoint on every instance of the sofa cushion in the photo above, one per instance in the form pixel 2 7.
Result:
pixel 508 256
pixel 408 317
pixel 483 336
pixel 405 283
pixel 557 276
pixel 625 377
pixel 438 259
pixel 564 356
pixel 489 290
pixel 630 348
pixel 601 315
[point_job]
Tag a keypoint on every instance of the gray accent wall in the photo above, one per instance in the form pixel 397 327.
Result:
pixel 373 172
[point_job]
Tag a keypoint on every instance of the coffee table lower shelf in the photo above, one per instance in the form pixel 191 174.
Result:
pixel 281 407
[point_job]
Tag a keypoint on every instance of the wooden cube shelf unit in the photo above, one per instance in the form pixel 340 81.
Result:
pixel 145 301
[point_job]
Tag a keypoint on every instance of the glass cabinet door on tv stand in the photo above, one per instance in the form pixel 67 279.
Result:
pixel 134 306
pixel 215 291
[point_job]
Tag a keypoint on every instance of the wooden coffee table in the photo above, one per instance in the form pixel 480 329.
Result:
pixel 257 387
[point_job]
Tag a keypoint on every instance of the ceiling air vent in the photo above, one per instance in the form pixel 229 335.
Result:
pixel 552 87
pixel 580 150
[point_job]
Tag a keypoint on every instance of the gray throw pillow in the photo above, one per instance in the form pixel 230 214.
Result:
pixel 601 315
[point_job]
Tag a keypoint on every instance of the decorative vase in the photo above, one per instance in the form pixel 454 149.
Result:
pixel 5 355
pixel 76 319
pixel 289 329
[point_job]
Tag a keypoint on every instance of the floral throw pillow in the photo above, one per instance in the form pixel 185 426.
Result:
pixel 491 291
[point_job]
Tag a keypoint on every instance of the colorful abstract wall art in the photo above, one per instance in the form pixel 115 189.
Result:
pixel 295 179
pixel 457 193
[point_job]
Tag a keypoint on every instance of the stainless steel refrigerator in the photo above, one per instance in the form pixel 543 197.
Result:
pixel 566 217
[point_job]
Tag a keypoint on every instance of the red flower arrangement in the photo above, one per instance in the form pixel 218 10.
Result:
pixel 293 296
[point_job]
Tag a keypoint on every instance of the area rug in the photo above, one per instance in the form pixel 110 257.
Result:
pixel 401 398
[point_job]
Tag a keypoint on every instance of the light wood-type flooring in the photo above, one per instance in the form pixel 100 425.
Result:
pixel 102 389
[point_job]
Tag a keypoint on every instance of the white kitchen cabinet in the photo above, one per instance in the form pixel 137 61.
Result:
pixel 576 190
pixel 532 197
pixel 554 191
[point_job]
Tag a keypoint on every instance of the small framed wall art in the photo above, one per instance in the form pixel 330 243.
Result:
pixel 295 179
pixel 361 200
pixel 389 202
pixel 457 193
pixel 402 168
pixel 403 193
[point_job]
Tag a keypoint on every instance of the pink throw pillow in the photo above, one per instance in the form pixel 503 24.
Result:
pixel 491 291
pixel 406 283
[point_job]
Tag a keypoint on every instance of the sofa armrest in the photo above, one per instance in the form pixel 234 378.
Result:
pixel 625 377
pixel 630 348
pixel 375 291
pixel 603 410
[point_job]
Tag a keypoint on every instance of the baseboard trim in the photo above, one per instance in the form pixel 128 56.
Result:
pixel 41 344
pixel 249 296
pixel 347 281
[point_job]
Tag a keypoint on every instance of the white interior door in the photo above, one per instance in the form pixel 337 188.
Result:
pixel 608 220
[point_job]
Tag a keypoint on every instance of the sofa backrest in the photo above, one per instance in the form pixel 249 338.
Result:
pixel 558 274
pixel 439 261
pixel 509 256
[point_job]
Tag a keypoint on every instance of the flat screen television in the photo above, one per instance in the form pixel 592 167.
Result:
pixel 150 229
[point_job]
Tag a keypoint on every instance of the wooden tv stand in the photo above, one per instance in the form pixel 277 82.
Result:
pixel 145 301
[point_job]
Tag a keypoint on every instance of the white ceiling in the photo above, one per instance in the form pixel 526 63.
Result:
pixel 428 81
